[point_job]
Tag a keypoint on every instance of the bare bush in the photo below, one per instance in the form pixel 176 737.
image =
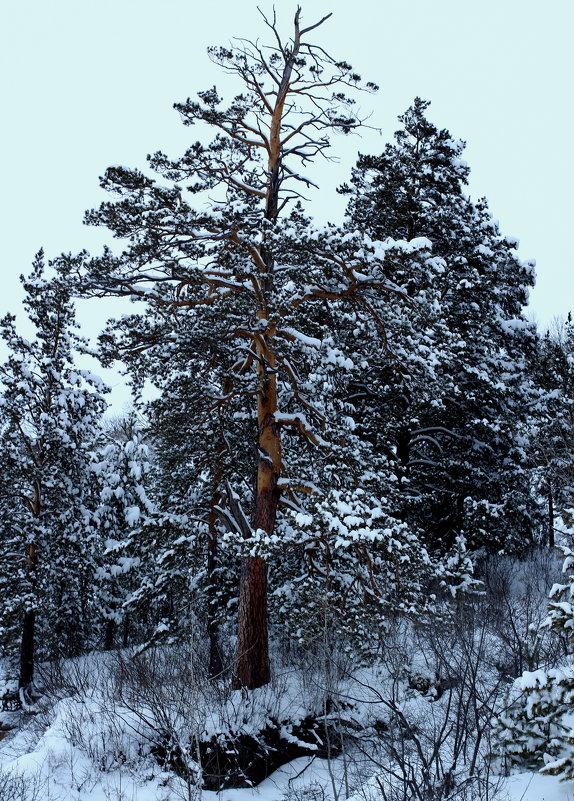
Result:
pixel 15 786
pixel 426 735
pixel 516 604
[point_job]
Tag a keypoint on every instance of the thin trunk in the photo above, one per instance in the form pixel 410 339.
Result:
pixel 27 650
pixel 109 635
pixel 215 658
pixel 27 646
pixel 550 497
pixel 403 453
pixel 215 661
pixel 126 631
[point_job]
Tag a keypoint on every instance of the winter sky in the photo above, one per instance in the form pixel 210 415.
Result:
pixel 89 83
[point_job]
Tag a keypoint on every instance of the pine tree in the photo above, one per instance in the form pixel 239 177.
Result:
pixel 257 306
pixel 535 730
pixel 50 413
pixel 194 465
pixel 459 428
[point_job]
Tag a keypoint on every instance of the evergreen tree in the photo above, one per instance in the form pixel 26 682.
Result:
pixel 553 444
pixel 50 414
pixel 121 517
pixel 194 465
pixel 535 729
pixel 460 433
pixel 258 307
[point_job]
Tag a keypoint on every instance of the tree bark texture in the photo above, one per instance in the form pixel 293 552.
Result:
pixel 252 662
pixel 252 659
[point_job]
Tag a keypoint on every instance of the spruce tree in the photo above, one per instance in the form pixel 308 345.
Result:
pixel 553 423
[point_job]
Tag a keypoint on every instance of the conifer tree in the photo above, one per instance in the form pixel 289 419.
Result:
pixel 460 434
pixel 534 731
pixel 194 463
pixel 50 413
pixel 254 295
pixel 123 513
pixel 553 424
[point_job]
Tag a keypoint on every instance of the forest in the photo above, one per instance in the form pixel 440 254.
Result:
pixel 331 542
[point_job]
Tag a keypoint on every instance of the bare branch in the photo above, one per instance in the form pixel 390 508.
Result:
pixel 316 25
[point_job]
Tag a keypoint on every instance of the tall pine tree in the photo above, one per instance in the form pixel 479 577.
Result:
pixel 246 297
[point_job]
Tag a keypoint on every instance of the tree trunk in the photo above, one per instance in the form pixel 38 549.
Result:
pixel 27 646
pixel 215 661
pixel 252 658
pixel 109 635
pixel 550 497
pixel 252 662
pixel 126 631
pixel 403 453
pixel 27 650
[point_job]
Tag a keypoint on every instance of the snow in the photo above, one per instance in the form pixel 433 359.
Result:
pixel 70 776
pixel 531 679
pixel 89 744
pixel 60 770
pixel 534 787
pixel 310 342
pixel 336 357
pixel 132 515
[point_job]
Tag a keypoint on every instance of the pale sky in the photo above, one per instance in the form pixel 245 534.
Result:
pixel 89 83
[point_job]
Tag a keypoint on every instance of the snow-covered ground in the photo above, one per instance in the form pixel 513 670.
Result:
pixel 55 771
pixel 94 733
pixel 74 749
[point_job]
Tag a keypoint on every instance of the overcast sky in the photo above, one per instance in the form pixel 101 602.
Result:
pixel 88 83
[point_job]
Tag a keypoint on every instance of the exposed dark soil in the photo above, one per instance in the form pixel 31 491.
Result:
pixel 246 760
pixel 5 729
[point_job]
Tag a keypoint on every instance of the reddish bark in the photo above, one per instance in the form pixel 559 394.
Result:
pixel 252 662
